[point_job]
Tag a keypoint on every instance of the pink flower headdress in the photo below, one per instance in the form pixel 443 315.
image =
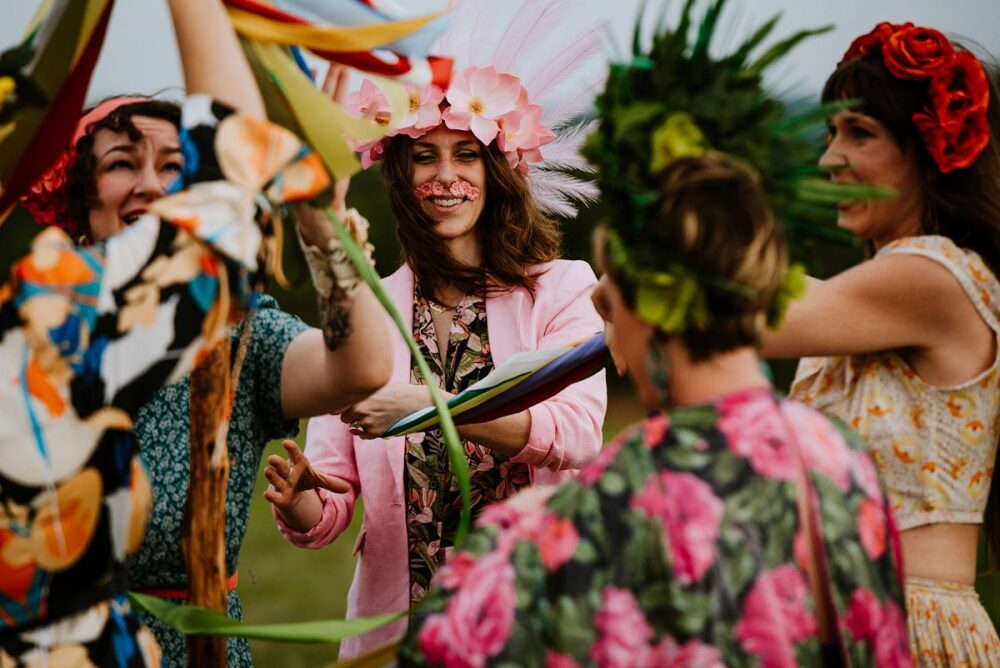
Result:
pixel 47 201
pixel 521 79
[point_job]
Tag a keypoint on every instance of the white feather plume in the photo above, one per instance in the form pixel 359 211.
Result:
pixel 557 58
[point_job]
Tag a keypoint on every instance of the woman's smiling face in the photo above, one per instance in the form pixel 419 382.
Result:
pixel 130 175
pixel 449 180
pixel 863 150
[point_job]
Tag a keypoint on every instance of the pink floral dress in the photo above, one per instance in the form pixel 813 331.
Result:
pixel 680 546
pixel 433 499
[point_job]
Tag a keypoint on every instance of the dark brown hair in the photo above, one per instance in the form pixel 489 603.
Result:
pixel 712 216
pixel 81 186
pixel 512 232
pixel 963 205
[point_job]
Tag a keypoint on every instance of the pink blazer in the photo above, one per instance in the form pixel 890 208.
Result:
pixel 565 435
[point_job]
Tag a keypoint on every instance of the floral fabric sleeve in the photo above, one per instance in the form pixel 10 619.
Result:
pixel 679 545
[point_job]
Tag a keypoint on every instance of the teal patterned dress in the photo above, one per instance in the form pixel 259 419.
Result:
pixel 433 499
pixel 680 545
pixel 162 428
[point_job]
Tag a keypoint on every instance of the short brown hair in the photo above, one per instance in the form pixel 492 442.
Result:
pixel 81 186
pixel 512 231
pixel 712 216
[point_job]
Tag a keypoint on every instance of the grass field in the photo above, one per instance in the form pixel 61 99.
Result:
pixel 282 583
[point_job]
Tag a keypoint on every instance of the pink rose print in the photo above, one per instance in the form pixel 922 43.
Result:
pixel 775 616
pixel 884 628
pixel 653 430
pixel 557 541
pixel 864 614
pixel 871 528
pixel 593 471
pixel 755 429
pixel 823 448
pixel 892 644
pixel 513 524
pixel 477 621
pixel 500 515
pixel 452 574
pixel 865 476
pixel 691 515
pixel 624 633
pixel 692 654
pixel 557 660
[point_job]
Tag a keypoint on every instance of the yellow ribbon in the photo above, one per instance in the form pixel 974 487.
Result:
pixel 90 18
pixel 323 121
pixel 325 38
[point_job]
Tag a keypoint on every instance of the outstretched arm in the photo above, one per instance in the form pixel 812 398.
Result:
pixel 327 371
pixel 211 56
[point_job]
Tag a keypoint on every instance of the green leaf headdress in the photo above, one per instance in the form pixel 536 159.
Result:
pixel 676 100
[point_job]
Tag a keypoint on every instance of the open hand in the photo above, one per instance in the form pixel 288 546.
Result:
pixel 291 477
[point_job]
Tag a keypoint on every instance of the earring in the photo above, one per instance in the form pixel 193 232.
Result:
pixel 658 370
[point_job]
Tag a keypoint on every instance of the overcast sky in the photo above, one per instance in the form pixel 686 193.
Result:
pixel 140 56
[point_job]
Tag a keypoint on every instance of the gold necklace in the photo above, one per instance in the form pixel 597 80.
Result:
pixel 437 307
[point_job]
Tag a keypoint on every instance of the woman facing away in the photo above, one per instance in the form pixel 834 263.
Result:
pixel 904 346
pixel 126 156
pixel 480 282
pixel 732 527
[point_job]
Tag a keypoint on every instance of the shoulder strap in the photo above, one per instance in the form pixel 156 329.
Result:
pixel 975 277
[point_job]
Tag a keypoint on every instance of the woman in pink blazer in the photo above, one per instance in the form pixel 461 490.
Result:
pixel 480 282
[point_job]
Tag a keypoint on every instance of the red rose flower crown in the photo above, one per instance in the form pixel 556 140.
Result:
pixel 953 122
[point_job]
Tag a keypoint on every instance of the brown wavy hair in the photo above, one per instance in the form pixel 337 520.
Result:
pixel 512 232
pixel 713 216
pixel 963 205
pixel 81 186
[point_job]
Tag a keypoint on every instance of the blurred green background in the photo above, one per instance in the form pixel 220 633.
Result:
pixel 282 583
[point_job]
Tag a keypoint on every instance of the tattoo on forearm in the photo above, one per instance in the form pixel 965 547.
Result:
pixel 335 318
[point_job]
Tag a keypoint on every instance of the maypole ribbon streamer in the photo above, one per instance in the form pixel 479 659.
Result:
pixel 67 36
pixel 350 32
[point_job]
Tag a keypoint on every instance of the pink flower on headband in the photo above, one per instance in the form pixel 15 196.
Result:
pixel 424 113
pixel 369 103
pixel 479 98
pixel 523 134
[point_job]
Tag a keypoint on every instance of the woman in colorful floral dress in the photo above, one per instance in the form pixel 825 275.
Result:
pixel 731 528
pixel 910 339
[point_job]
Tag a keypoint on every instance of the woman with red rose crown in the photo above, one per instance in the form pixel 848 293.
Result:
pixel 907 342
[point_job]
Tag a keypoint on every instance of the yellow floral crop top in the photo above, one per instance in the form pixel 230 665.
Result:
pixel 934 446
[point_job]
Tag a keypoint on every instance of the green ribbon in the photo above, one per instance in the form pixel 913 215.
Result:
pixel 194 620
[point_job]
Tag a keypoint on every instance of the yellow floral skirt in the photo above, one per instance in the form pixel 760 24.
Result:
pixel 948 626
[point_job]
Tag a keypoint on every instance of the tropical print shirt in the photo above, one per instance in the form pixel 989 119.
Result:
pixel 680 545
pixel 433 499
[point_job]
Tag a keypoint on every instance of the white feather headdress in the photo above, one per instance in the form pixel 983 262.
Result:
pixel 524 72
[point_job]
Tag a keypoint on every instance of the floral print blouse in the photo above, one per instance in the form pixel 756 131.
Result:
pixel 679 546
pixel 433 499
